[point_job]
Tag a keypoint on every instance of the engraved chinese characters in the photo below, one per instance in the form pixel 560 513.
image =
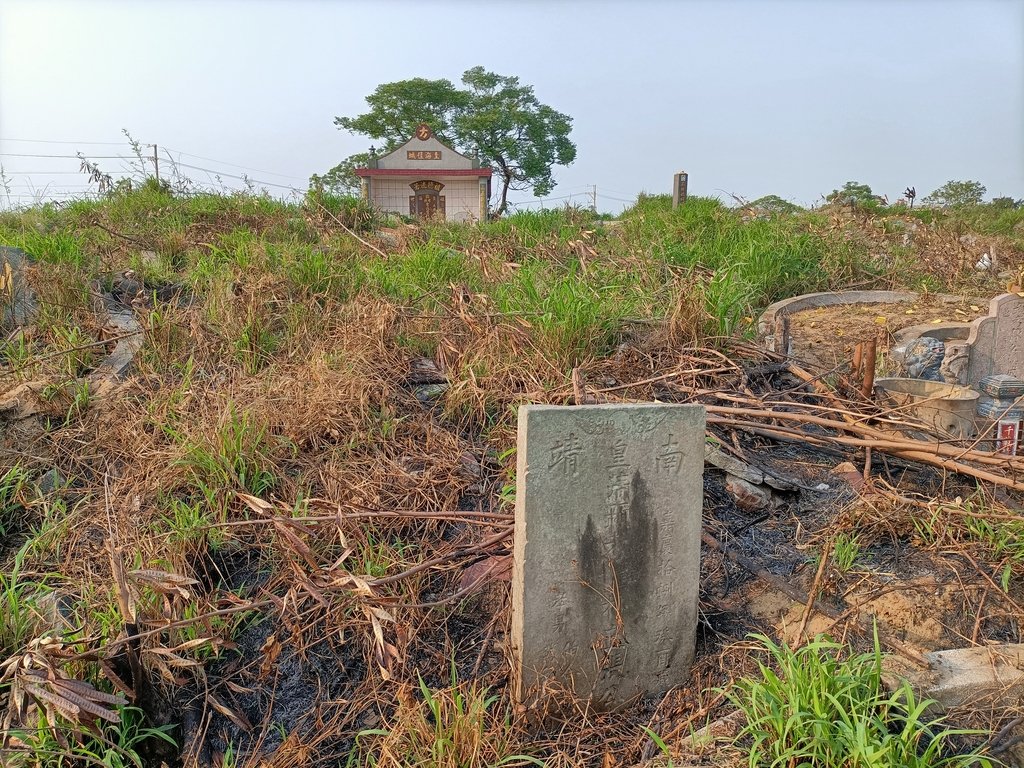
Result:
pixel 427 185
pixel 607 550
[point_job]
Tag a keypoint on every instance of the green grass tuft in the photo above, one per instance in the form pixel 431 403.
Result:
pixel 817 706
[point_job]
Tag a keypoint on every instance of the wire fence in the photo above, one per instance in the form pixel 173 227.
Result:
pixel 97 174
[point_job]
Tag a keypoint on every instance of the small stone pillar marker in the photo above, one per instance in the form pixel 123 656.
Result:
pixel 679 188
pixel 607 550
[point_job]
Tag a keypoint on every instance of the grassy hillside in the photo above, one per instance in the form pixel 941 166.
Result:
pixel 324 401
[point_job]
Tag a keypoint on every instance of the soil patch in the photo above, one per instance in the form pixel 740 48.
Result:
pixel 825 337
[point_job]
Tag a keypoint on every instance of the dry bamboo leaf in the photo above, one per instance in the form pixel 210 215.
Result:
pixel 69 709
pixel 495 567
pixel 235 717
pixel 124 597
pixel 385 652
pixel 256 504
pixel 86 704
pixel 270 650
pixel 114 678
pixel 344 555
pixel 315 593
pixel 196 642
pixel 166 674
pixel 349 581
pixel 381 613
pixel 172 659
pixel 162 577
pixel 86 689
pixel 297 544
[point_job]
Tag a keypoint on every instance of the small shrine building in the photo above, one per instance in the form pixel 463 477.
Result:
pixel 427 179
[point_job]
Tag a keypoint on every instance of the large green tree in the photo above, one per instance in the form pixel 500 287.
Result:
pixel 493 116
pixel 954 194
pixel 852 194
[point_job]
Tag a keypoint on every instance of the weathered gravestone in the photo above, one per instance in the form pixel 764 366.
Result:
pixel 607 550
pixel 997 340
pixel 679 184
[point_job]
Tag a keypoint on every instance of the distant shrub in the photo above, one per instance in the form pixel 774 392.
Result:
pixel 956 194
pixel 775 206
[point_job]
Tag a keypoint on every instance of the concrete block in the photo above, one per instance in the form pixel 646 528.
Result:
pixel 991 674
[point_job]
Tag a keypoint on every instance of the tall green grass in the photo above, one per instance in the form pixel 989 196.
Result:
pixel 423 276
pixel 818 706
pixel 742 265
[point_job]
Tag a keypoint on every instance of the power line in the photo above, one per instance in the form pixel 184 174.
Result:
pixel 549 199
pixel 232 165
pixel 42 173
pixel 44 186
pixel 44 195
pixel 241 178
pixel 91 143
pixel 67 157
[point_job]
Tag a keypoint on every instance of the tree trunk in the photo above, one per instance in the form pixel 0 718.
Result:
pixel 505 181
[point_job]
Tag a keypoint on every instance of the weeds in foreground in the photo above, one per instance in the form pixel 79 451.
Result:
pixel 117 745
pixel 18 615
pixel 845 551
pixel 454 727
pixel 972 520
pixel 13 484
pixel 235 458
pixel 824 709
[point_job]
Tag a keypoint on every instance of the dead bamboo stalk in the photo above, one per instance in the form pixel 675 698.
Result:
pixel 870 354
pixel 877 436
pixel 892 448
pixel 809 605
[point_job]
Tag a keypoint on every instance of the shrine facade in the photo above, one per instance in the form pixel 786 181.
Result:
pixel 427 179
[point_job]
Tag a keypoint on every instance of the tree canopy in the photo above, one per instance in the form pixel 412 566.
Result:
pixel 852 194
pixel 775 205
pixel 493 116
pixel 954 194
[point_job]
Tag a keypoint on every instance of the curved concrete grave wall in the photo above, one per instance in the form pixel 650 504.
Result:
pixel 990 344
pixel 774 321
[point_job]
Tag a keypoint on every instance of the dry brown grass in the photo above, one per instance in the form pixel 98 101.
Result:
pixel 296 506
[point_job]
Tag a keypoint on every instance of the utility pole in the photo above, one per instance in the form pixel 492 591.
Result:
pixel 593 203
pixel 156 164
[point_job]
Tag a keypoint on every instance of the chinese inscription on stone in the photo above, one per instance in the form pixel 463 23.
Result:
pixel 607 550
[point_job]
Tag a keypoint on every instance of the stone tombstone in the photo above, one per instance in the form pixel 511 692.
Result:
pixel 607 550
pixel 679 183
pixel 997 341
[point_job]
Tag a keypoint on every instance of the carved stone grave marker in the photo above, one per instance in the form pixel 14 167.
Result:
pixel 679 184
pixel 997 340
pixel 607 550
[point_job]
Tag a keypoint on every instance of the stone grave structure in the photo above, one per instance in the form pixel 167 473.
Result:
pixel 991 344
pixel 996 342
pixel 427 179
pixel 607 550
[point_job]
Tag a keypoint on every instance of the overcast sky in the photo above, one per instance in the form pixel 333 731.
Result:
pixel 750 98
